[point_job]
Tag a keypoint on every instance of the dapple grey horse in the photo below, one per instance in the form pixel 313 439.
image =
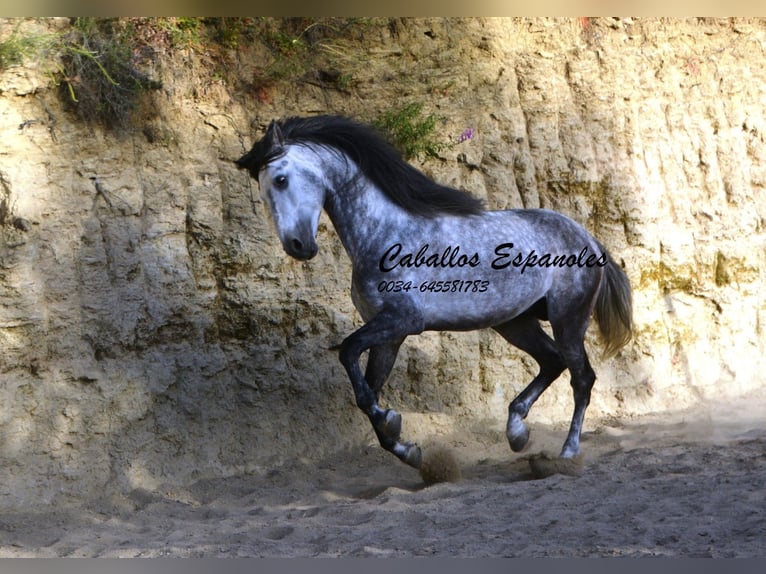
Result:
pixel 429 257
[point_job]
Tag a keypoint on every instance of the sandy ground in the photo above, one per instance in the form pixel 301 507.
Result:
pixel 687 484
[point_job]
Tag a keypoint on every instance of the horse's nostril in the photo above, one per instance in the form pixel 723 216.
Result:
pixel 297 245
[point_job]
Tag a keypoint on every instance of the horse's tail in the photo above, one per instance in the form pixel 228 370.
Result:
pixel 614 308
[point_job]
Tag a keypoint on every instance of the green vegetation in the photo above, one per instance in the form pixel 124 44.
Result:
pixel 99 79
pixel 318 51
pixel 103 68
pixel 411 131
pixel 99 64
pixel 93 65
pixel 17 47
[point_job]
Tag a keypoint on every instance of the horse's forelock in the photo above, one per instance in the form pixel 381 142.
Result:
pixel 263 152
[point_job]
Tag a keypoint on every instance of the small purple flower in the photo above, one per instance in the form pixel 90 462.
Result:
pixel 466 135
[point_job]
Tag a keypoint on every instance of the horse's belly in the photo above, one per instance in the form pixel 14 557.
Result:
pixel 467 311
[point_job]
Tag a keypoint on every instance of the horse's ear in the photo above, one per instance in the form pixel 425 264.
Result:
pixel 274 133
pixel 245 160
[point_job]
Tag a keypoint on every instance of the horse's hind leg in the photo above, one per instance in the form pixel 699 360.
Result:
pixel 526 333
pixel 569 335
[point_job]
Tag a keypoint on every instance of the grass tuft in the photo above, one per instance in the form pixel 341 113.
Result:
pixel 99 80
pixel 411 131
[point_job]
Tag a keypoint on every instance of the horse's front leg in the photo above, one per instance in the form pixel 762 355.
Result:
pixel 384 333
pixel 380 363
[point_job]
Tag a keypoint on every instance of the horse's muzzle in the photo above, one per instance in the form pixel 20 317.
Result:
pixel 301 250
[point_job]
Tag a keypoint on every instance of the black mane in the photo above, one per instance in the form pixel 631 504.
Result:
pixel 406 186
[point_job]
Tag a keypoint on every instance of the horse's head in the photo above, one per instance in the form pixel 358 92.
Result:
pixel 294 187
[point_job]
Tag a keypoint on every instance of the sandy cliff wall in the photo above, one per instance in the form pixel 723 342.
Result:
pixel 152 330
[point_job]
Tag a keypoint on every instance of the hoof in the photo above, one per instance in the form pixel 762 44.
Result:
pixel 412 455
pixel 518 436
pixel 570 452
pixel 519 442
pixel 391 426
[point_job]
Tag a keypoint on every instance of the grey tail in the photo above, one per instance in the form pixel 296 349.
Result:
pixel 614 309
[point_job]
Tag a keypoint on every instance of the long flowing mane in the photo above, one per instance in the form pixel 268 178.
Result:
pixel 405 185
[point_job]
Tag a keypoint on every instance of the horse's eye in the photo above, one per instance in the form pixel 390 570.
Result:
pixel 280 182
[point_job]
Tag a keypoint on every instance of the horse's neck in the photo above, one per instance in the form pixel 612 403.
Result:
pixel 364 217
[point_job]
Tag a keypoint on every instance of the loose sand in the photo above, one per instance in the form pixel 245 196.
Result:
pixel 684 484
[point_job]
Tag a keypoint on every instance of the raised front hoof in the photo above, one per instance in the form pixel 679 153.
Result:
pixel 409 454
pixel 391 425
pixel 519 440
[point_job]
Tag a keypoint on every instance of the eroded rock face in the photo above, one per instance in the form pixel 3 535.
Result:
pixel 153 331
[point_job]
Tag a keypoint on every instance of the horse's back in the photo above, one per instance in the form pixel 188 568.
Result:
pixel 555 223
